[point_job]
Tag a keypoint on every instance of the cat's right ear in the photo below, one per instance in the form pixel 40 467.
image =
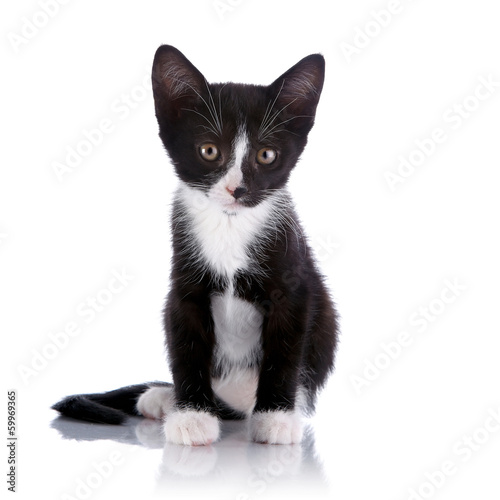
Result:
pixel 177 84
pixel 297 92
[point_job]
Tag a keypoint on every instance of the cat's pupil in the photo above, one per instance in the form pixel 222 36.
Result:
pixel 209 152
pixel 266 156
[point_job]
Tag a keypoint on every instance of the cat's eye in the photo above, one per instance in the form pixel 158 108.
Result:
pixel 266 156
pixel 209 151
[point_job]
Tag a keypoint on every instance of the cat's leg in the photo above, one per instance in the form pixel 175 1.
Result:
pixel 277 416
pixel 278 425
pixel 190 339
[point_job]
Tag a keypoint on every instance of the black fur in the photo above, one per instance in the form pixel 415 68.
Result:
pixel 106 408
pixel 299 333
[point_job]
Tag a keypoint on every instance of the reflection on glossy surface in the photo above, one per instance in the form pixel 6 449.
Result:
pixel 234 467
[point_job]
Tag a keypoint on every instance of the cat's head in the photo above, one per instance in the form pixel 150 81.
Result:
pixel 236 143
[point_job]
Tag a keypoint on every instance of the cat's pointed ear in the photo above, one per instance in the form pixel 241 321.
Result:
pixel 297 91
pixel 177 84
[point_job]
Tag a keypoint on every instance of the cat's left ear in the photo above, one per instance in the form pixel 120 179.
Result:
pixel 177 84
pixel 297 91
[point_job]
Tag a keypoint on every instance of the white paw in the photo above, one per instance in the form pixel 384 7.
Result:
pixel 191 427
pixel 156 402
pixel 276 427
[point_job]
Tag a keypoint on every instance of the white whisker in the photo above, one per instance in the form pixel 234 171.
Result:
pixel 211 128
pixel 264 133
pixel 270 108
pixel 212 109
pixel 285 121
pixel 216 122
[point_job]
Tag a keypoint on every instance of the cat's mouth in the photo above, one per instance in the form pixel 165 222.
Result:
pixel 233 207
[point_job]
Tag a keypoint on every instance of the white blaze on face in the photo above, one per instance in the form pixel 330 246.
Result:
pixel 234 176
pixel 222 190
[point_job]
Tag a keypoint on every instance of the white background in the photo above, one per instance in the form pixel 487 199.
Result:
pixel 389 254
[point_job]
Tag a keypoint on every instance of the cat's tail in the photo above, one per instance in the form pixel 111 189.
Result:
pixel 112 407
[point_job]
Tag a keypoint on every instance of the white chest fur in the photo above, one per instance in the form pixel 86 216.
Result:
pixel 224 239
pixel 238 326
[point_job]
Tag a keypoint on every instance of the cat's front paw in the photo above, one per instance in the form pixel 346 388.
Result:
pixel 156 402
pixel 276 427
pixel 191 427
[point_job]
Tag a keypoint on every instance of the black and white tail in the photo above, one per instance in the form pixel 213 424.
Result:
pixel 112 407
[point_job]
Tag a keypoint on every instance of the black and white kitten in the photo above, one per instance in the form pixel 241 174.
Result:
pixel 250 327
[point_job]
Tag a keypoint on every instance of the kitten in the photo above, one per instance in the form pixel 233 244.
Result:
pixel 251 331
